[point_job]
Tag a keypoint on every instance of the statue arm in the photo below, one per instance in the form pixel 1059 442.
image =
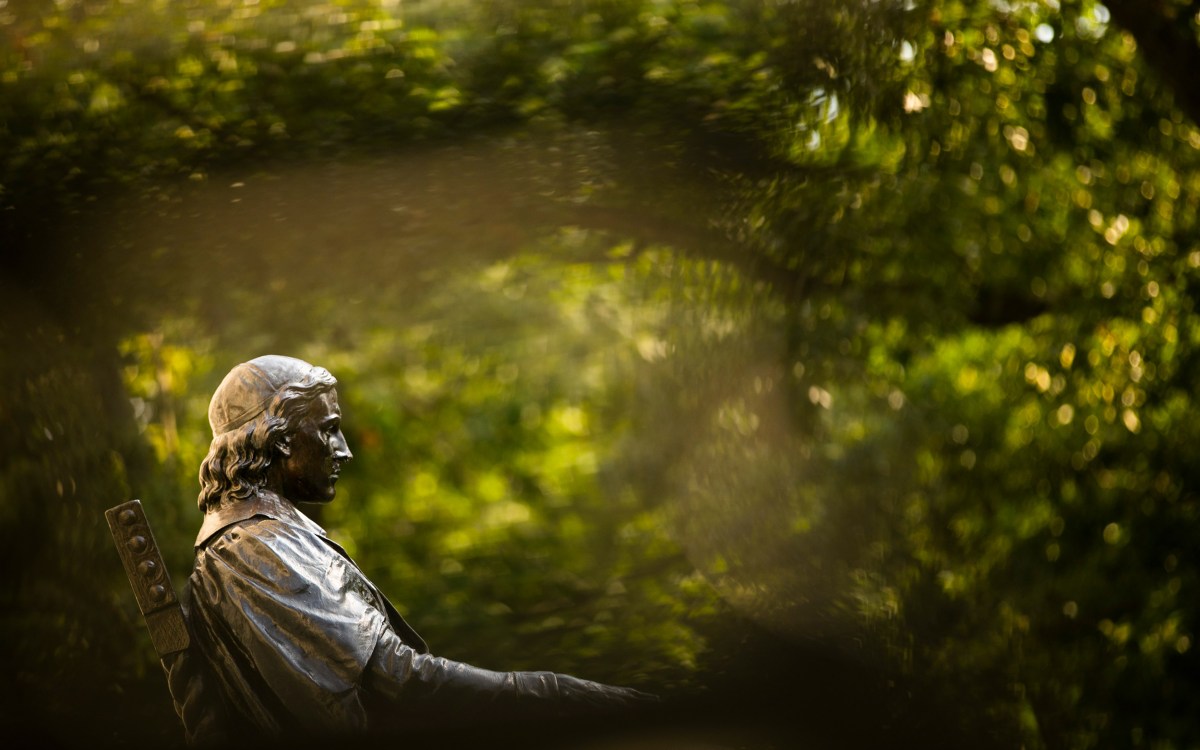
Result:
pixel 400 675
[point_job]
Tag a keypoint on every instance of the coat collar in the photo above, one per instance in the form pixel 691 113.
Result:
pixel 262 503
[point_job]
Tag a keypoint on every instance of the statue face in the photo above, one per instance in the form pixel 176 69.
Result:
pixel 312 456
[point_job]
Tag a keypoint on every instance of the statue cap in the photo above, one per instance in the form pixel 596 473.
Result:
pixel 249 388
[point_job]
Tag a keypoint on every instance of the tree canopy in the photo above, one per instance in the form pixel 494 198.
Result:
pixel 826 352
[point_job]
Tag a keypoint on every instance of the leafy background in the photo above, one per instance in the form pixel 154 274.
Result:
pixel 826 364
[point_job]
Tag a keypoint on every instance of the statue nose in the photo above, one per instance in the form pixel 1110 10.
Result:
pixel 341 449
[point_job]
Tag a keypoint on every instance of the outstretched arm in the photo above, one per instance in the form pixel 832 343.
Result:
pixel 399 675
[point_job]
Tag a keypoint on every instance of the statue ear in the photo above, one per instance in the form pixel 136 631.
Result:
pixel 284 446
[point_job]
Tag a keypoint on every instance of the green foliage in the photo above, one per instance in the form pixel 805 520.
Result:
pixel 870 323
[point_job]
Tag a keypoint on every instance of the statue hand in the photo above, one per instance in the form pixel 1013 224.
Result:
pixel 600 696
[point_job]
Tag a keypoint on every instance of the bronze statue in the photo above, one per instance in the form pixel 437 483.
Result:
pixel 294 635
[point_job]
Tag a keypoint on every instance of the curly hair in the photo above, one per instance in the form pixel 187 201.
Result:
pixel 237 461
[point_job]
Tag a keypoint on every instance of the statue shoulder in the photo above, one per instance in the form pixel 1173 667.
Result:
pixel 266 552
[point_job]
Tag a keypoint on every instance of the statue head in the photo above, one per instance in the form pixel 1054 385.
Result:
pixel 276 425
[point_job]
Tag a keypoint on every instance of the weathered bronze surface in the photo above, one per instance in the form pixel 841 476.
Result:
pixel 296 638
pixel 149 578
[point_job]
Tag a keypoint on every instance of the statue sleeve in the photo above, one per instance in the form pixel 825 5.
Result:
pixel 284 626
pixel 408 680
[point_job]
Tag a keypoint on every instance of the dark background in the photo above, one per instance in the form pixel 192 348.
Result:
pixel 825 367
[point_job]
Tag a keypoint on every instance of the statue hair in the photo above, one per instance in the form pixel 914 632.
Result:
pixel 237 461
